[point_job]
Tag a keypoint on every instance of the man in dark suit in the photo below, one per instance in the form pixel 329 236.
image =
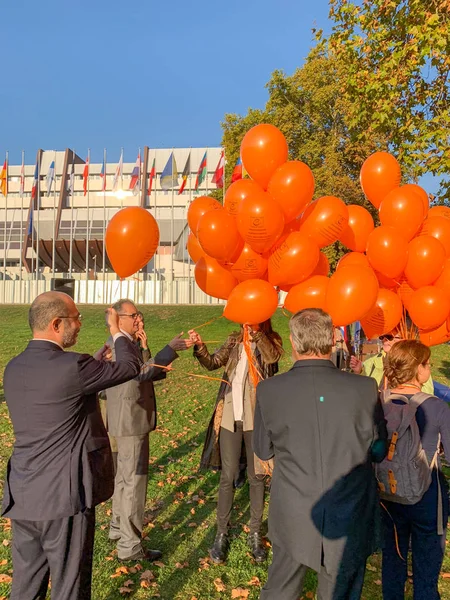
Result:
pixel 324 427
pixel 61 466
pixel 131 415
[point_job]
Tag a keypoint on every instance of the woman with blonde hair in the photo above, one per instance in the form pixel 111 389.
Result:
pixel 424 523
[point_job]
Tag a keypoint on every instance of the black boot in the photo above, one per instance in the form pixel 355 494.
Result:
pixel 257 547
pixel 218 552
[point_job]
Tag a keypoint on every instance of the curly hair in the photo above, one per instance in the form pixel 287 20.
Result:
pixel 403 360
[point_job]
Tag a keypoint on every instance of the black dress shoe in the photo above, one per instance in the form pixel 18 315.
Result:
pixel 257 547
pixel 240 478
pixel 218 552
pixel 147 555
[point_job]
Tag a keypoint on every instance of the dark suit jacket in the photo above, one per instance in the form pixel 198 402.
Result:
pixel 320 424
pixel 61 462
pixel 131 406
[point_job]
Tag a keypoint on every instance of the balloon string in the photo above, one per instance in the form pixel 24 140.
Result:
pixel 167 368
pixel 285 313
pixel 208 322
pixel 255 375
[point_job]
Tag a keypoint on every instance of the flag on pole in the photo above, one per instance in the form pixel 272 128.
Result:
pixel 103 175
pixel 135 181
pixel 201 173
pixel 118 173
pixel 151 177
pixel 4 178
pixel 169 176
pixel 186 173
pixel 22 176
pixel 238 171
pixel 35 182
pixel 71 179
pixel 85 176
pixel 50 177
pixel 30 221
pixel 218 173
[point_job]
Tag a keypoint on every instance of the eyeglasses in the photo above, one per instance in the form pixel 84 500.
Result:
pixel 133 315
pixel 389 337
pixel 79 317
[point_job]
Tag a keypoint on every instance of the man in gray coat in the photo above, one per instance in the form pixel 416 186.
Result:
pixel 61 465
pixel 131 415
pixel 323 427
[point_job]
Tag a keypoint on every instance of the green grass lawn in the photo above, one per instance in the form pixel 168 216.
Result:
pixel 181 500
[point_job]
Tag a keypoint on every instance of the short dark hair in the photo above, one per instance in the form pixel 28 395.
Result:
pixel 117 306
pixel 45 308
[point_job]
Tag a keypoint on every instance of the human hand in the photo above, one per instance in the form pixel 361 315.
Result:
pixel 141 335
pixel 195 337
pixel 112 320
pixel 105 353
pixel 355 365
pixel 179 344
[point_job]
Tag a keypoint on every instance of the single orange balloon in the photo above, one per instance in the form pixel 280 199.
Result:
pixel 213 279
pixel 402 209
pixel 249 265
pixel 311 293
pixel 193 247
pixel 353 258
pixel 439 228
pixel 324 220
pixel 132 238
pixel 387 282
pixel 292 187
pixel 294 260
pixel 351 294
pixel 238 191
pixel 384 316
pixel 387 251
pixel 379 175
pixel 252 301
pixel 439 211
pixel 263 150
pixel 422 193
pixel 435 337
pixel 260 221
pixel 323 266
pixel 198 208
pixel 218 235
pixel 429 307
pixel 360 226
pixel 426 258
pixel 405 291
pixel 443 281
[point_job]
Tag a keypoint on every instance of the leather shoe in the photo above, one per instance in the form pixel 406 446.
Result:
pixel 218 552
pixel 148 555
pixel 257 547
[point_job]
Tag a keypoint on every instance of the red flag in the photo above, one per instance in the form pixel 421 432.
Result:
pixel 218 173
pixel 85 176
pixel 237 171
pixel 151 177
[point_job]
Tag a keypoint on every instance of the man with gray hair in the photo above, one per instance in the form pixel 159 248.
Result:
pixel 323 427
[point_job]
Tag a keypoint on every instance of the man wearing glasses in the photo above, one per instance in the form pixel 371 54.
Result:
pixel 131 415
pixel 374 366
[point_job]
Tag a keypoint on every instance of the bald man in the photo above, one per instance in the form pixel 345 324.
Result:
pixel 61 466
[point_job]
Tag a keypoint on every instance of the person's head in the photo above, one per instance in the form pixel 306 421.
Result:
pixel 141 322
pixel 54 316
pixel 265 326
pixel 408 362
pixel 389 339
pixel 312 334
pixel 128 316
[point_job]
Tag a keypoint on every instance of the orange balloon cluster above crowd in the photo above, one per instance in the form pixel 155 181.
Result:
pixel 269 235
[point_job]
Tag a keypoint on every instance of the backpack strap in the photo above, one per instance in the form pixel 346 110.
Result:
pixel 419 398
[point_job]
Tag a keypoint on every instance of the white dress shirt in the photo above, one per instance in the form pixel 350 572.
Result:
pixel 237 386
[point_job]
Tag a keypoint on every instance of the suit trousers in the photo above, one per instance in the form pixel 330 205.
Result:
pixel 130 494
pixel 230 454
pixel 62 549
pixel 285 581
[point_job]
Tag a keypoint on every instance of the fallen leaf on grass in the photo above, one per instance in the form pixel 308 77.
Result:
pixel 5 543
pixel 240 593
pixel 445 575
pixel 254 581
pixel 159 564
pixel 181 565
pixel 370 568
pixel 309 595
pixel 377 582
pixel 246 528
pixel 192 524
pixel 5 578
pixel 219 585
pixel 125 590
pixel 3 562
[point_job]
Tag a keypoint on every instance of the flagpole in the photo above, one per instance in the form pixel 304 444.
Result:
pixel 156 268
pixel 87 225
pixel 6 221
pixel 38 199
pixel 22 185
pixel 171 239
pixel 54 220
pixel 71 189
pixel 104 228
pixel 121 186
pixel 190 267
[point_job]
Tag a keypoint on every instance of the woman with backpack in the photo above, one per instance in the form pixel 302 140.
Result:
pixel 413 489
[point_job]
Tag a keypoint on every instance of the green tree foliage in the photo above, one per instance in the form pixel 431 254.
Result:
pixel 396 56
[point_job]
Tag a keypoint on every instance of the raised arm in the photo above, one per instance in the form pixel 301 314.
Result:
pixel 207 360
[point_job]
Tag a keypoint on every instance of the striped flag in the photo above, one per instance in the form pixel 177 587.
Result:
pixel 185 175
pixel 4 178
pixel 218 173
pixel 201 173
pixel 103 175
pixel 35 183
pixel 118 173
pixel 50 177
pixel 237 171
pixel 135 181
pixel 151 177
pixel 85 176
pixel 169 176
pixel 22 176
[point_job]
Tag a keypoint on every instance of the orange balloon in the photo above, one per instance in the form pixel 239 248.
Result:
pixel 439 211
pixel 387 282
pixel 429 307
pixel 443 281
pixel 353 258
pixel 323 266
pixel 426 258
pixel 132 238
pixel 260 221
pixel 405 291
pixel 218 235
pixel 379 175
pixel 294 260
pixel 360 225
pixel 438 227
pixel 263 150
pixel 422 193
pixel 292 186
pixel 403 210
pixel 436 336
pixel 238 191
pixel 213 279
pixel 387 251
pixel 384 316
pixel 351 294
pixel 193 247
pixel 311 293
pixel 252 301
pixel 324 220
pixel 198 208
pixel 249 265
